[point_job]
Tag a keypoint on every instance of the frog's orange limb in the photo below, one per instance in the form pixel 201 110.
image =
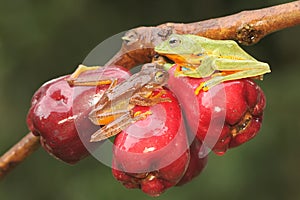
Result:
pixel 113 128
pixel 178 70
pixel 104 117
pixel 106 120
pixel 202 86
pixel 148 98
pixel 142 115
pixel 73 79
pixel 116 126
pixel 157 95
pixel 82 68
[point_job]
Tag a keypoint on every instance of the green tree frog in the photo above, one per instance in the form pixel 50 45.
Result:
pixel 220 60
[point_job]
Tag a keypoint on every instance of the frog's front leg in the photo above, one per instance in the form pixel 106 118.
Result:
pixel 204 68
pixel 74 79
pixel 148 98
pixel 118 125
pixel 232 70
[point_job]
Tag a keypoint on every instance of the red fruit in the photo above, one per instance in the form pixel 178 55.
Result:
pixel 198 161
pixel 58 111
pixel 225 116
pixel 152 154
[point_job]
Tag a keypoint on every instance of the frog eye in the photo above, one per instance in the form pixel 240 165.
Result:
pixel 159 77
pixel 174 41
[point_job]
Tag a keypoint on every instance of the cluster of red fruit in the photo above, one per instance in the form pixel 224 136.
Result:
pixel 169 147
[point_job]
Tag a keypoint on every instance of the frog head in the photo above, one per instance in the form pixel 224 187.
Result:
pixel 157 75
pixel 180 47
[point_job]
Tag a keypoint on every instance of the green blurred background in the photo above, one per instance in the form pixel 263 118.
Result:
pixel 40 40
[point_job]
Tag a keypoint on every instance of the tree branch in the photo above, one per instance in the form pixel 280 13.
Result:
pixel 18 153
pixel 247 27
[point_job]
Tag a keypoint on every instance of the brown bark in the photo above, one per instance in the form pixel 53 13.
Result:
pixel 246 27
pixel 18 153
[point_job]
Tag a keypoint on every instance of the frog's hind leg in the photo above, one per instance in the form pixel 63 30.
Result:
pixel 229 69
pixel 107 115
pixel 118 125
pixel 205 86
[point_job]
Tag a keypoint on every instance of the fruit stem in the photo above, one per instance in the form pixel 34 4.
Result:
pixel 19 152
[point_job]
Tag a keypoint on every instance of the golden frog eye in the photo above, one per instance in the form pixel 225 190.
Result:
pixel 159 77
pixel 174 41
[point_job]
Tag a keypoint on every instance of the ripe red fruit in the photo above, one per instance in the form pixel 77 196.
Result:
pixel 152 154
pixel 198 161
pixel 58 111
pixel 225 116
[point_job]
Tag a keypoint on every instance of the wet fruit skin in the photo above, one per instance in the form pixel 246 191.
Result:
pixel 225 116
pixel 153 154
pixel 197 163
pixel 58 111
pixel 147 156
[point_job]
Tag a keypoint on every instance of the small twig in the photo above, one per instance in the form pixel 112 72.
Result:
pixel 246 27
pixel 18 153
